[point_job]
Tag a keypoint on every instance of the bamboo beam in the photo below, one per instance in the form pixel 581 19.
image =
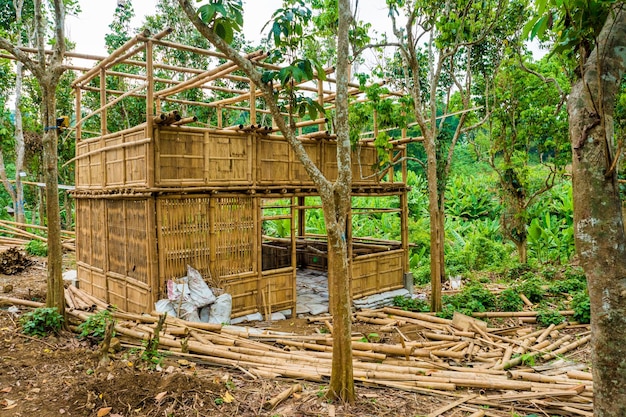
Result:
pixel 112 102
pixel 89 75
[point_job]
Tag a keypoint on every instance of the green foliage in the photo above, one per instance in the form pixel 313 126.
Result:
pixel 411 304
pixel 582 307
pixel 41 321
pixel 37 248
pixel 532 287
pixel 509 300
pixel 473 298
pixel 547 316
pixel 224 16
pixel 95 325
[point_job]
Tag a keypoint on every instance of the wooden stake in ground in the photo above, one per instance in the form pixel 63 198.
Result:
pixel 106 343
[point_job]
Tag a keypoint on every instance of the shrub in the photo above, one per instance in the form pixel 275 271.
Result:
pixel 582 307
pixel 95 325
pixel 473 298
pixel 509 300
pixel 546 317
pixel 37 248
pixel 41 321
pixel 531 287
pixel 411 304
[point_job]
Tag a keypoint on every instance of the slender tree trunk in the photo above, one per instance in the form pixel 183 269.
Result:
pixel 19 144
pixel 599 230
pixel 55 297
pixel 338 206
pixel 436 224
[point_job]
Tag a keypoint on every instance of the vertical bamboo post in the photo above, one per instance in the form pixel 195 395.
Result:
pixel 252 104
pixel 152 154
pixel 79 128
pixel 219 117
pixel 103 102
pixel 404 232
pixel 294 262
pixel 320 100
pixel 259 265
pixel 301 217
pixel 157 105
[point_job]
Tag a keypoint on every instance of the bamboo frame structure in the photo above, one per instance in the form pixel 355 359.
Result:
pixel 171 191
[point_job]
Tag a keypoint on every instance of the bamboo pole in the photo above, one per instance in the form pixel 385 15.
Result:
pixel 272 403
pixel 452 405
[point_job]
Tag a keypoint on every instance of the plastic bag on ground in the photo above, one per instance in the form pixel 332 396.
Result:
pixel 200 293
pixel 177 289
pixel 220 310
pixel 165 306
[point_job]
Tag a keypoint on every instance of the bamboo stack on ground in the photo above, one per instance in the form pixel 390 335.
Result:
pixel 432 355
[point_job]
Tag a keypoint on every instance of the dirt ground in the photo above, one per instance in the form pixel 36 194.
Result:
pixel 59 376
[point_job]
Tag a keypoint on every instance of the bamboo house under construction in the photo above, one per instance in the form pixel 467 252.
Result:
pixel 181 189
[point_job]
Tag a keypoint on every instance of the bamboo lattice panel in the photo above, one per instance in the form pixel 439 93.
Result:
pixel 234 232
pixel 183 235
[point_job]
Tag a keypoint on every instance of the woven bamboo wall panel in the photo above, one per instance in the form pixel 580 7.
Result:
pixel 233 235
pixel 194 158
pixel 278 289
pixel 92 280
pixel 89 171
pixel 183 235
pixel 229 160
pixel 364 161
pixel 90 228
pixel 244 290
pixel 273 160
pixel 125 164
pixel 372 274
pixel 298 174
pixel 128 238
pixel 180 158
pixel 128 294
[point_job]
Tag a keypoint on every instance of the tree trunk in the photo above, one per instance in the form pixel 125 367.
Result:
pixel 19 144
pixel 55 296
pixel 436 224
pixel 337 206
pixel 599 230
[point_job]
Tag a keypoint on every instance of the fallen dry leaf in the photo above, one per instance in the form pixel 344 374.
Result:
pixel 6 390
pixel 104 411
pixel 8 404
pixel 160 396
pixel 228 398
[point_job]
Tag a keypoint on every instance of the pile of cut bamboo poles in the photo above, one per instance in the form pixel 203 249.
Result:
pixel 21 235
pixel 441 356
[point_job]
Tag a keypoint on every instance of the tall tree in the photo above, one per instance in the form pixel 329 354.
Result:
pixel 216 22
pixel 593 36
pixel 48 70
pixel 456 38
pixel 527 126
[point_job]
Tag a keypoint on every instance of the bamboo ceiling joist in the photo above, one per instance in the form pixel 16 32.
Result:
pixel 246 96
pixel 187 48
pixel 114 58
pixel 208 76
pixel 112 102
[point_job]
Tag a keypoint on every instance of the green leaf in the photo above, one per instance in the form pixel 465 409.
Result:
pixel 207 12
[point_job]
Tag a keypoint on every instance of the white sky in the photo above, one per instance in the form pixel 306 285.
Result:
pixel 88 29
